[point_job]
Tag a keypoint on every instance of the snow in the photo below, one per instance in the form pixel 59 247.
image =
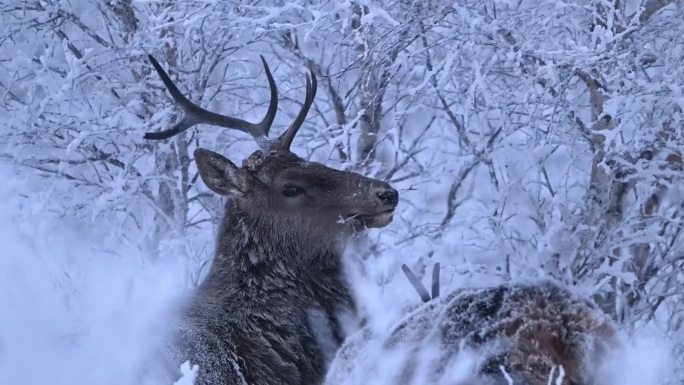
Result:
pixel 189 374
pixel 75 308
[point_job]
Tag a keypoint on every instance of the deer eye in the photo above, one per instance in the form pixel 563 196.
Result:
pixel 291 191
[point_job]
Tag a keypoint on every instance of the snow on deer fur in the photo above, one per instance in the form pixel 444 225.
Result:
pixel 521 333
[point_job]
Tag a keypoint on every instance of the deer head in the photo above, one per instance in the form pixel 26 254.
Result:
pixel 276 184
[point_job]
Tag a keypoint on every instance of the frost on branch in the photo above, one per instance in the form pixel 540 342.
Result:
pixel 519 331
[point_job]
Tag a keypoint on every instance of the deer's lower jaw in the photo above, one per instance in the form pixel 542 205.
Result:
pixel 373 220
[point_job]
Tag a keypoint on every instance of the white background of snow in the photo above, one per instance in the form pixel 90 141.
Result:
pixel 71 312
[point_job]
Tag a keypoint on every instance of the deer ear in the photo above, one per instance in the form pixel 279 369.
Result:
pixel 220 174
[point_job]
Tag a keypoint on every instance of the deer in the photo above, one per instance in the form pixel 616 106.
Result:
pixel 521 333
pixel 273 305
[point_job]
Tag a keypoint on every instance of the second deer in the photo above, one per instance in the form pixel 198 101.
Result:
pixel 524 333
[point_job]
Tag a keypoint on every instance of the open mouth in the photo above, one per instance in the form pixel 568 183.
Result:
pixel 380 219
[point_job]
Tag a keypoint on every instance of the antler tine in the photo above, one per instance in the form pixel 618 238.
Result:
pixel 422 292
pixel 435 280
pixel 415 282
pixel 285 140
pixel 194 114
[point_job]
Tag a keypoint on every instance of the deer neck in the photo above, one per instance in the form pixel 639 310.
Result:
pixel 252 247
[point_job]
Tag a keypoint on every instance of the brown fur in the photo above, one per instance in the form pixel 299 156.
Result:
pixel 530 329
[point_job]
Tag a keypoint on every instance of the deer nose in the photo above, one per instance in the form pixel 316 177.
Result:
pixel 389 197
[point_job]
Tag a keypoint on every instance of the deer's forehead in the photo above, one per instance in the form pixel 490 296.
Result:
pixel 288 166
pixel 312 171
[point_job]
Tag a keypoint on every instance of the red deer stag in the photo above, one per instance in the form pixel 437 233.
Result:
pixel 535 333
pixel 278 261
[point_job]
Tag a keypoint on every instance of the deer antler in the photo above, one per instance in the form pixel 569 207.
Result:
pixel 194 114
pixel 285 140
pixel 422 291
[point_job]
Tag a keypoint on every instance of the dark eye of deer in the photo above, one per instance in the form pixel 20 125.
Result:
pixel 292 191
